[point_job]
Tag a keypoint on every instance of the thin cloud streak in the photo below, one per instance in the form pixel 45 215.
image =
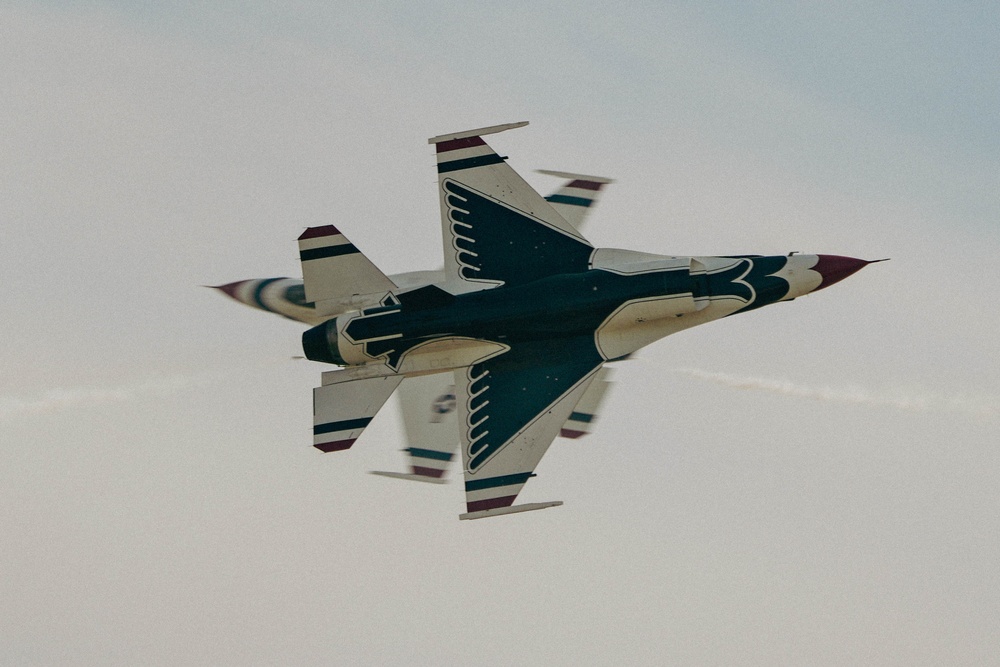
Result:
pixel 59 399
pixel 983 406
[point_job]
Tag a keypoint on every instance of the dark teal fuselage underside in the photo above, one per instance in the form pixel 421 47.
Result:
pixel 564 306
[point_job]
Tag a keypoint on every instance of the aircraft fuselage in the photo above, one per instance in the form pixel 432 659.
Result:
pixel 623 305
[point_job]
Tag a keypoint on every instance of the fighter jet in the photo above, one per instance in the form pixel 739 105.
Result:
pixel 528 314
pixel 428 402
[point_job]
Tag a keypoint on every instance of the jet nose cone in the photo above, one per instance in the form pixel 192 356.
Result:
pixel 230 288
pixel 835 268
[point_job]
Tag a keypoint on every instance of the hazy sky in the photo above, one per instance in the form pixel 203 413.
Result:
pixel 811 483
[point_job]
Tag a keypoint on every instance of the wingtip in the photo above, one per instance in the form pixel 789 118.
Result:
pixel 317 232
pixel 512 509
pixel 603 180
pixel 478 132
pixel 408 476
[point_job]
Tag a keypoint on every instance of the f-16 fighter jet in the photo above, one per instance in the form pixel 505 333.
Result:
pixel 428 402
pixel 528 314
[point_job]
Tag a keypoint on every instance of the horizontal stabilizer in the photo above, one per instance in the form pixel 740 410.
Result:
pixel 410 476
pixel 342 411
pixel 514 509
pixel 336 274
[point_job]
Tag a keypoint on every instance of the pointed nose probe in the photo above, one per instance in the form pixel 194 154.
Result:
pixel 231 289
pixel 835 268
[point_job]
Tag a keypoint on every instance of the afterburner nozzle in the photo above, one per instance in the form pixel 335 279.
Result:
pixel 320 344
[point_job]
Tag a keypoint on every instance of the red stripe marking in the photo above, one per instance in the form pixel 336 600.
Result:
pixel 317 232
pixel 338 446
pixel 427 472
pixel 456 144
pixel 490 503
pixel 585 185
pixel 570 433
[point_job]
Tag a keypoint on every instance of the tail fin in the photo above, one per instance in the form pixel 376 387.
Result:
pixel 335 273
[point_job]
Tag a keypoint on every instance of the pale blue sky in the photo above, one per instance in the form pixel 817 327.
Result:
pixel 161 502
pixel 921 74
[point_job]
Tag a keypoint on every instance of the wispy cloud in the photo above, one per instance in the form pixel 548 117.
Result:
pixel 978 405
pixel 67 398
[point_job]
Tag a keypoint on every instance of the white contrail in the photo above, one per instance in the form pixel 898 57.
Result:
pixel 976 405
pixel 65 398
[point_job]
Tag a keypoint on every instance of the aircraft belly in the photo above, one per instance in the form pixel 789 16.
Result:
pixel 638 323
pixel 445 354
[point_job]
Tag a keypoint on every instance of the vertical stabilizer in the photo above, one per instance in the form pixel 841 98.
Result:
pixel 336 274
